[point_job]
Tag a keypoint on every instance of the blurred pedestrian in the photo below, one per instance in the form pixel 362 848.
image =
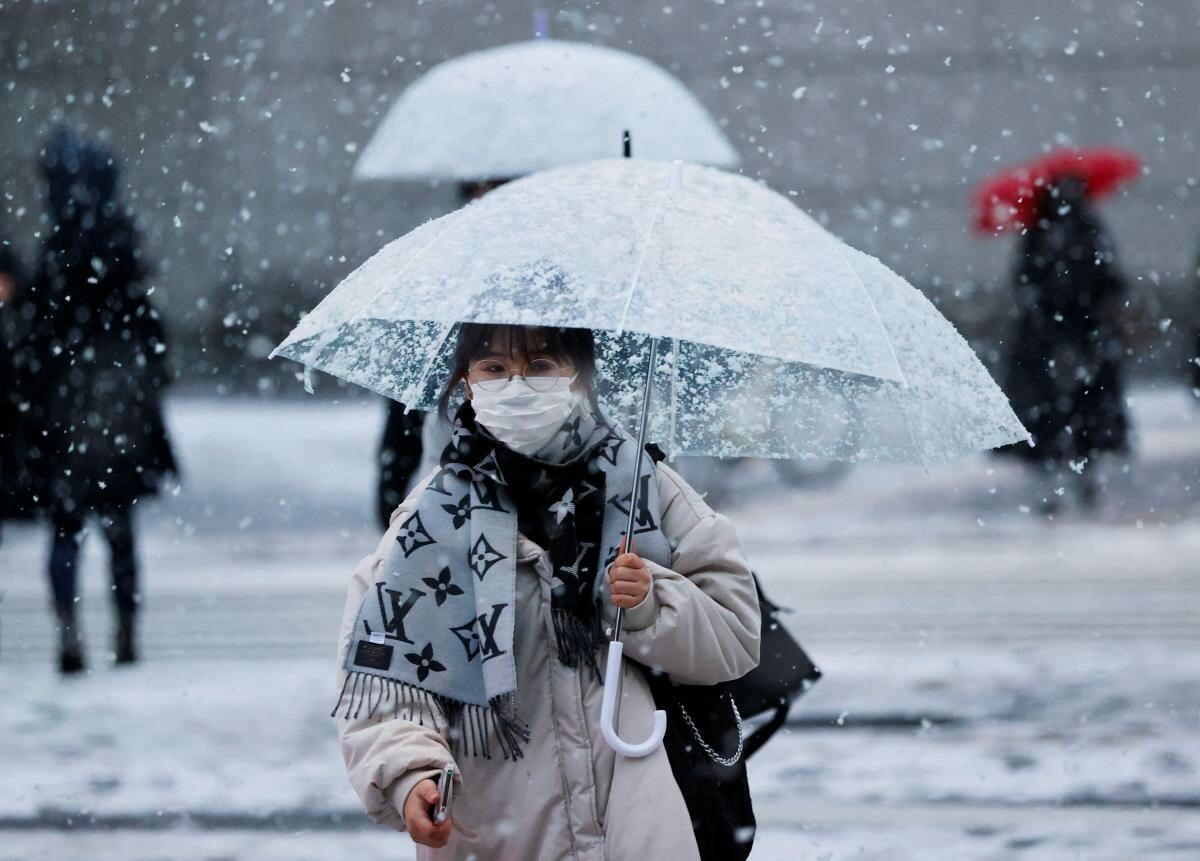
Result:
pixel 94 368
pixel 12 500
pixel 399 457
pixel 1194 359
pixel 1064 359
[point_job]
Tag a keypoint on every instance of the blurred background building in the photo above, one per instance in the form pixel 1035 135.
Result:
pixel 239 124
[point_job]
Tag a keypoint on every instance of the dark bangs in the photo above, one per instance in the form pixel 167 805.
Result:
pixel 479 340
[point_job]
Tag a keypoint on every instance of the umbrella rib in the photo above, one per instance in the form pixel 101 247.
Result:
pixel 291 338
pixel 411 261
pixel 637 272
pixel 891 349
pixel 430 357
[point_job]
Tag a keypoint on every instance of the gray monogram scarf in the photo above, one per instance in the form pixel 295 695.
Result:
pixel 439 624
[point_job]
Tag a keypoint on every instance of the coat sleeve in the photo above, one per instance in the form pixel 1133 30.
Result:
pixel 700 622
pixel 402 741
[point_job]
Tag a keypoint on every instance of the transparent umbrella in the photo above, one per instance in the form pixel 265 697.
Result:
pixel 728 322
pixel 509 111
pixel 781 340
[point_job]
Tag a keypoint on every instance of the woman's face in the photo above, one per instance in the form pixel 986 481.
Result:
pixel 541 369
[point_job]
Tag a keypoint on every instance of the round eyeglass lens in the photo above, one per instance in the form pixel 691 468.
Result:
pixel 542 375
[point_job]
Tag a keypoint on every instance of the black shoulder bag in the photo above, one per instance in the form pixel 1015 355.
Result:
pixel 706 742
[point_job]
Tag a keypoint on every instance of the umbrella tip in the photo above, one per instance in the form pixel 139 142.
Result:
pixel 677 174
pixel 541 24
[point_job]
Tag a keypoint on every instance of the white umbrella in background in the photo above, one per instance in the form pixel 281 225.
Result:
pixel 497 114
pixel 779 339
pixel 509 111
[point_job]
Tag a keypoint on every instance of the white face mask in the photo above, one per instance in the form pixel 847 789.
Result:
pixel 524 419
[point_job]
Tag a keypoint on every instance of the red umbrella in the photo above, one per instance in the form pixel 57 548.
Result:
pixel 1010 197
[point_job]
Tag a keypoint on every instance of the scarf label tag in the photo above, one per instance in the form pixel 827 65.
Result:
pixel 377 637
pixel 376 656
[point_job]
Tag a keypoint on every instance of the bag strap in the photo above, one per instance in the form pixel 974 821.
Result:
pixel 727 761
pixel 763 734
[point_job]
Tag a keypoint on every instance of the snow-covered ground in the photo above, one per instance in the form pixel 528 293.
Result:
pixel 998 684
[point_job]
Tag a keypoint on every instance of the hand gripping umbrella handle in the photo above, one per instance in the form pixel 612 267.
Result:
pixel 608 708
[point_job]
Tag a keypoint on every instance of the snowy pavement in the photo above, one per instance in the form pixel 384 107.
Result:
pixel 998 684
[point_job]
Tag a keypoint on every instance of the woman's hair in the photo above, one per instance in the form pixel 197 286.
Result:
pixel 477 340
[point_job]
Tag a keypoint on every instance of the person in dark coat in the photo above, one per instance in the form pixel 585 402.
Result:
pixel 12 500
pixel 1195 357
pixel 1064 363
pixel 399 454
pixel 400 448
pixel 94 367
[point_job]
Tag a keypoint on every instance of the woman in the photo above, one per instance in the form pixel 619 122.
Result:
pixel 94 367
pixel 1064 365
pixel 496 584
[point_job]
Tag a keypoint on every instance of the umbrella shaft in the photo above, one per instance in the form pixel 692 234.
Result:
pixel 634 500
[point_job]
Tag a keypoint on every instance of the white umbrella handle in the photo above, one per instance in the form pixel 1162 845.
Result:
pixel 612 674
pixel 608 708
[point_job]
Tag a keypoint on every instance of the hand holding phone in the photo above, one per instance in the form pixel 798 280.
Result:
pixel 441 810
pixel 419 808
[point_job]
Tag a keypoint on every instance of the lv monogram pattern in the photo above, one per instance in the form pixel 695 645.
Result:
pixel 440 618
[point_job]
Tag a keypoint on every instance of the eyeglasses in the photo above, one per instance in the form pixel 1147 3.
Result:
pixel 492 375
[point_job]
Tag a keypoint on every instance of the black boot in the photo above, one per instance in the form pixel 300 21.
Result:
pixel 70 644
pixel 125 645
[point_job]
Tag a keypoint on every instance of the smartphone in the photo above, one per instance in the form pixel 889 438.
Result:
pixel 445 784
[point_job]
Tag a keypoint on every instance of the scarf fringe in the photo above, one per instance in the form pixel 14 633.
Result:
pixel 473 728
pixel 367 689
pixel 470 728
pixel 578 639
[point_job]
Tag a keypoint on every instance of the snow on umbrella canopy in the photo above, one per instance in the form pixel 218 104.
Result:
pixel 512 110
pixel 1010 197
pixel 780 340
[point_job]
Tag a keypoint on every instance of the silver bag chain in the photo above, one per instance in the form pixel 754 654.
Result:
pixel 706 747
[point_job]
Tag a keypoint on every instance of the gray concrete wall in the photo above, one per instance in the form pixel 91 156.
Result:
pixel 239 123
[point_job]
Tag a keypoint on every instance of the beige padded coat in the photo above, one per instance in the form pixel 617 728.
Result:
pixel 571 796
